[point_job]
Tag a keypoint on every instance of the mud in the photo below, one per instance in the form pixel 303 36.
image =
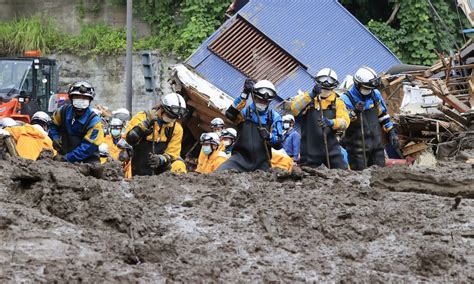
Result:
pixel 79 223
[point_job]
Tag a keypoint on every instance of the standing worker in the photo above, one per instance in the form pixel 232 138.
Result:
pixel 259 128
pixel 363 138
pixel 211 157
pixel 156 138
pixel 291 138
pixel 76 130
pixel 318 130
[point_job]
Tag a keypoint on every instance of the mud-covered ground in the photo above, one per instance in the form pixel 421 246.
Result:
pixel 65 222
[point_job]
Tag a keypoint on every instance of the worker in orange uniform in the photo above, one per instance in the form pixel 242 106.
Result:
pixel 32 139
pixel 114 136
pixel 156 137
pixel 211 157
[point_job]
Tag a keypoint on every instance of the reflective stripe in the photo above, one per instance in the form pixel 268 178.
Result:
pixel 387 116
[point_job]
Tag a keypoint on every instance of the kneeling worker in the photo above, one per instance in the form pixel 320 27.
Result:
pixel 210 157
pixel 259 128
pixel 156 138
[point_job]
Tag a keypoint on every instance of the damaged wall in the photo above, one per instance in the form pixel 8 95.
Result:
pixel 107 75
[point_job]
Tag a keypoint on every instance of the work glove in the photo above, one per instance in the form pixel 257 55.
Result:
pixel 59 158
pixel 155 161
pixel 359 107
pixel 264 134
pixel 393 138
pixel 248 88
pixel 316 91
pixel 151 117
pixel 58 145
pixel 326 122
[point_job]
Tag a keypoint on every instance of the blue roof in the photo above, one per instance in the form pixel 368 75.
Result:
pixel 318 34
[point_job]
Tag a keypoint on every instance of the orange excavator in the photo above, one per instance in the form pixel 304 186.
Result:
pixel 29 84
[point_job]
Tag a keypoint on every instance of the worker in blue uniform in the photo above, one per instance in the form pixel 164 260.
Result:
pixel 259 128
pixel 75 129
pixel 369 116
pixel 291 137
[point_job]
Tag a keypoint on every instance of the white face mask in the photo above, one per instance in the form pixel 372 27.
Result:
pixel 261 107
pixel 80 103
pixel 286 125
pixel 227 143
pixel 365 91
pixel 325 93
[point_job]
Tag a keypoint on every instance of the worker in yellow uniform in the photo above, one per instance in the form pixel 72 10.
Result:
pixel 156 138
pixel 211 157
pixel 114 136
pixel 318 128
pixel 32 139
pixel 104 153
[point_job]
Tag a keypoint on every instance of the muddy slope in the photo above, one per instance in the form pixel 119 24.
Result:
pixel 62 222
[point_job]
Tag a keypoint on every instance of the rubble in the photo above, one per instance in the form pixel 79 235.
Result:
pixel 434 106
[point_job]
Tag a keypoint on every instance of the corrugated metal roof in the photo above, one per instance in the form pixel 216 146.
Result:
pixel 318 33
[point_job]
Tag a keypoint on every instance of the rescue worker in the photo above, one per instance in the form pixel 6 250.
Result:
pixel 210 157
pixel 104 153
pixel 291 137
pixel 156 138
pixel 114 136
pixel 228 137
pixel 317 127
pixel 217 125
pixel 363 141
pixel 259 128
pixel 122 114
pixel 32 139
pixel 76 130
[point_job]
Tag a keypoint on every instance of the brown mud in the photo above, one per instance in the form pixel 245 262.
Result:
pixel 81 223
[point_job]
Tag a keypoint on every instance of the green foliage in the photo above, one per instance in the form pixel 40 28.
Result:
pixel 416 34
pixel 93 8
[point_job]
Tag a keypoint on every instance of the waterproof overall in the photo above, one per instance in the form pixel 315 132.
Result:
pixel 248 153
pixel 313 150
pixel 71 141
pixel 142 150
pixel 374 149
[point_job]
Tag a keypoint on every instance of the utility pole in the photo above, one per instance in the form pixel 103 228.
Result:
pixel 128 65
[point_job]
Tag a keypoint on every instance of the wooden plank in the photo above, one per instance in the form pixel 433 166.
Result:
pixel 471 91
pixel 415 148
pixel 441 90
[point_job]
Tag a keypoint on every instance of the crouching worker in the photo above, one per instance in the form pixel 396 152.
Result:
pixel 76 130
pixel 259 128
pixel 323 114
pixel 156 138
pixel 32 139
pixel 210 157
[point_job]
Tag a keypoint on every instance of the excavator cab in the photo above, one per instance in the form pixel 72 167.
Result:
pixel 26 85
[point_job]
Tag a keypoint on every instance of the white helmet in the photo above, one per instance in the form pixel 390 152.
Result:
pixel 122 113
pixel 7 122
pixel 217 122
pixel 174 105
pixel 288 117
pixel 229 133
pixel 41 116
pixel 265 89
pixel 327 78
pixel 82 88
pixel 116 122
pixel 347 83
pixel 104 150
pixel 210 137
pixel 367 78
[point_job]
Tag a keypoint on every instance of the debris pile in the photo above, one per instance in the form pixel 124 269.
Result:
pixel 435 106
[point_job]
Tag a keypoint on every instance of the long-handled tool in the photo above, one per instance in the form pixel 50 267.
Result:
pixel 325 136
pixel 361 115
pixel 269 159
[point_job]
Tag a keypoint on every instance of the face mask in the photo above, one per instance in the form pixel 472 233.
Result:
pixel 115 132
pixel 167 119
pixel 227 143
pixel 365 92
pixel 80 103
pixel 261 107
pixel 325 93
pixel 207 150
